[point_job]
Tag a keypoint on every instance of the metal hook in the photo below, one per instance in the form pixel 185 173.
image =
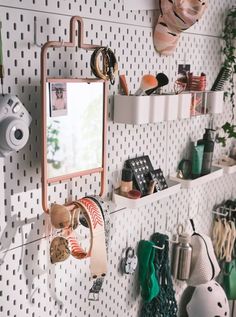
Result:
pixel 35 33
pixel 159 248
pixel 220 213
pixel 168 233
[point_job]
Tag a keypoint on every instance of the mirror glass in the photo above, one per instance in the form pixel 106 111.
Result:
pixel 75 113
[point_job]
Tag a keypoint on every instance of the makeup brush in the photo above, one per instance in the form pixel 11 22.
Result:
pixel 162 80
pixel 123 85
pixel 147 82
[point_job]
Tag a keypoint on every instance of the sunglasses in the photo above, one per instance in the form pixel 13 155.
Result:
pixel 85 212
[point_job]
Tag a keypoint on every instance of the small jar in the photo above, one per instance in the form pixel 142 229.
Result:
pixel 126 181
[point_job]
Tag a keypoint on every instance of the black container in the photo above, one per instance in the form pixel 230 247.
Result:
pixel 208 141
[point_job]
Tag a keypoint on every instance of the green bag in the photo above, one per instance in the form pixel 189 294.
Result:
pixel 229 279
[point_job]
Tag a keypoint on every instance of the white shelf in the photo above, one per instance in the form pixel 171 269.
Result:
pixel 166 107
pixel 227 169
pixel 124 202
pixel 190 183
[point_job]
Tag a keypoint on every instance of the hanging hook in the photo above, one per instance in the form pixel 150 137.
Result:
pixel 220 213
pixel 35 33
pixel 159 248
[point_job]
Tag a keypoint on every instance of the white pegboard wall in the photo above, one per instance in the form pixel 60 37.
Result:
pixel 29 284
pixel 114 11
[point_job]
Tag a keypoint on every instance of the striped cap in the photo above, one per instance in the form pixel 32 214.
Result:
pixel 175 17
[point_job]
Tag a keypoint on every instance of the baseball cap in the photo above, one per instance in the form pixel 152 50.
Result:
pixel 175 17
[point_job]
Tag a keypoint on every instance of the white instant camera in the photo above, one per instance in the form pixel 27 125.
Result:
pixel 14 125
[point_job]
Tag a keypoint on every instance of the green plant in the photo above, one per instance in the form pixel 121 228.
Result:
pixel 52 142
pixel 229 51
pixel 229 132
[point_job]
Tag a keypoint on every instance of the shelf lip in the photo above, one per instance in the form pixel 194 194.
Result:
pixel 226 169
pixel 216 172
pixel 124 202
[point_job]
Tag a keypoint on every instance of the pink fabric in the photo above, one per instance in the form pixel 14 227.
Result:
pixel 177 17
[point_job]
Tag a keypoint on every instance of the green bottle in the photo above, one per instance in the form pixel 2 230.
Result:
pixel 197 159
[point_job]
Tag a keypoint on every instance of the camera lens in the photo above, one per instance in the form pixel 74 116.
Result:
pixel 18 134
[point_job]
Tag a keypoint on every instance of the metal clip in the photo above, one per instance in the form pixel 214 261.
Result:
pixel 93 296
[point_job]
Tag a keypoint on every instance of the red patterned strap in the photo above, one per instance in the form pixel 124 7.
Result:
pixel 98 257
pixel 94 212
pixel 75 249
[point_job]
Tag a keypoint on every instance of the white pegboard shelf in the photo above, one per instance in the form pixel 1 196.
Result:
pixel 216 172
pixel 124 202
pixel 167 107
pixel 226 169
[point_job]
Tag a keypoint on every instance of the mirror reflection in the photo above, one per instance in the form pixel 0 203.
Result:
pixel 74 127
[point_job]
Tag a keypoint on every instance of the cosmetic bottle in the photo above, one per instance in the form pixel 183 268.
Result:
pixel 126 181
pixel 197 158
pixel 208 141
pixel 181 258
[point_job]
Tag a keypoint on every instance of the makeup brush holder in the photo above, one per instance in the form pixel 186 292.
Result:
pixel 198 103
pixel 184 105
pixel 131 109
pixel 171 107
pixel 215 101
pixel 159 108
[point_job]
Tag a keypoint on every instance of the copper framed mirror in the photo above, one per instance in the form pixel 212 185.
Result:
pixel 74 122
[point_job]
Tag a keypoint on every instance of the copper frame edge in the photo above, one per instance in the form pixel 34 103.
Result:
pixel 43 72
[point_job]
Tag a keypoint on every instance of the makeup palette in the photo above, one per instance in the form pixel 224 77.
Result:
pixel 158 177
pixel 141 166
